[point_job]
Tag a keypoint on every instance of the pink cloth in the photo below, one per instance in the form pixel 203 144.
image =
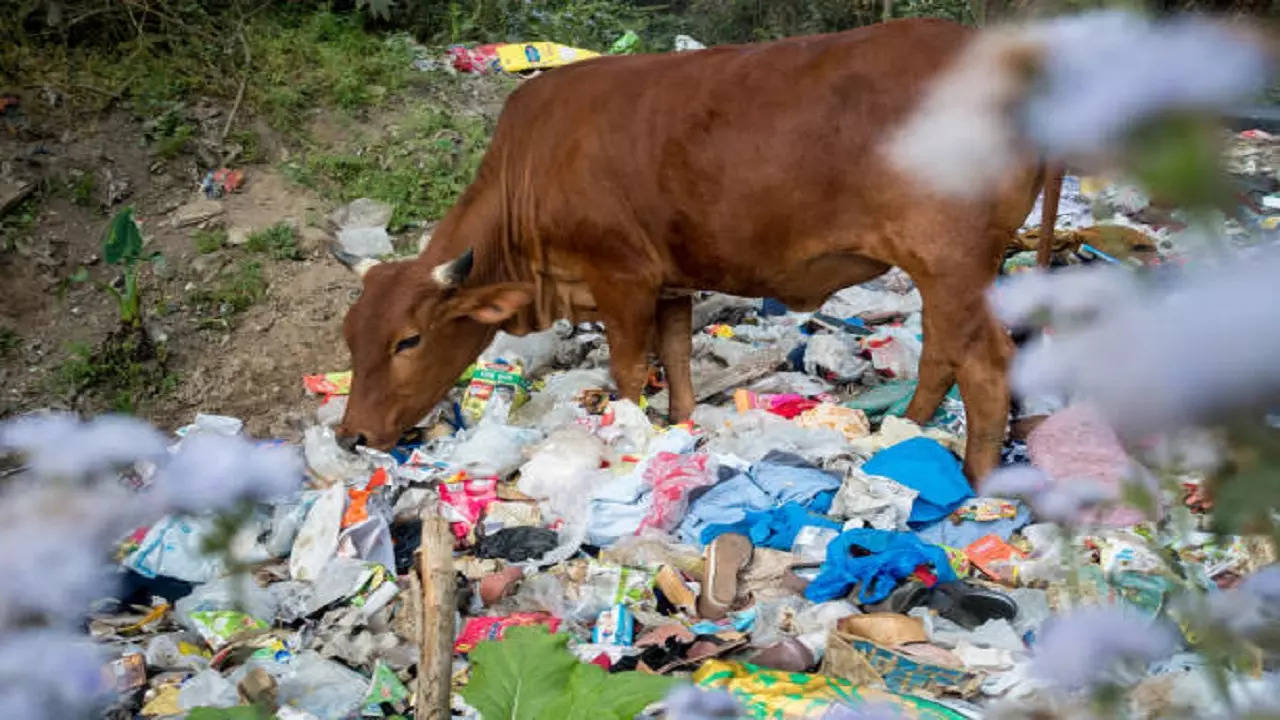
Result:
pixel 1078 443
pixel 672 477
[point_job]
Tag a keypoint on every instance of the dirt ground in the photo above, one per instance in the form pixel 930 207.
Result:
pixel 249 367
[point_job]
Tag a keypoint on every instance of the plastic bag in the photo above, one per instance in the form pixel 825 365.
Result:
pixel 672 477
pixel 317 539
pixel 835 357
pixel 329 461
pixel 208 689
pixel 895 351
pixel 493 448
pixel 235 592
pixel 174 547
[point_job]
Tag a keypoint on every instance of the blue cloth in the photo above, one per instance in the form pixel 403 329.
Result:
pixel 923 465
pixel 963 535
pixel 775 528
pixel 893 556
pixel 777 479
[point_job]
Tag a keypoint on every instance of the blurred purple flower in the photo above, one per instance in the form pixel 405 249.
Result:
pixel 1085 647
pixel 1251 607
pixel 689 702
pixel 1064 501
pixel 1161 362
pixel 212 472
pixel 1102 72
pixel 60 445
pixel 47 675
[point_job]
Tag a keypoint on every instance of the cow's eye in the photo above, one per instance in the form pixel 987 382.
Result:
pixel 409 342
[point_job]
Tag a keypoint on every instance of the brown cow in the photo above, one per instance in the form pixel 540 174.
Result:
pixel 615 187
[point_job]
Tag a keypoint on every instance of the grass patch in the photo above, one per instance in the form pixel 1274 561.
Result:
pixel 120 374
pixel 233 291
pixel 308 60
pixel 81 188
pixel 18 221
pixel 279 241
pixel 208 241
pixel 10 341
pixel 419 167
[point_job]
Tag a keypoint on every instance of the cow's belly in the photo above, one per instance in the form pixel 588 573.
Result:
pixel 803 285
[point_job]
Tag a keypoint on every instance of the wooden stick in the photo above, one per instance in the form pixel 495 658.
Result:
pixel 435 660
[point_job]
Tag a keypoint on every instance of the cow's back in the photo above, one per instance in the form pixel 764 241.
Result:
pixel 718 168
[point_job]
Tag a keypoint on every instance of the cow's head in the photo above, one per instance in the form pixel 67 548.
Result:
pixel 411 334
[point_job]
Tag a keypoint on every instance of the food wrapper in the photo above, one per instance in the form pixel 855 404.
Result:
pixel 127 672
pixel 995 558
pixel 218 627
pixel 384 688
pixel 519 57
pixel 463 499
pixel 985 509
pixel 487 382
pixel 478 629
pixel 334 383
pixel 615 626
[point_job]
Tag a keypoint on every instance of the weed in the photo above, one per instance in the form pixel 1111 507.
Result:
pixel 208 241
pixel 124 371
pixel 81 189
pixel 250 145
pixel 232 292
pixel 419 168
pixel 302 60
pixel 10 341
pixel 278 241
pixel 18 221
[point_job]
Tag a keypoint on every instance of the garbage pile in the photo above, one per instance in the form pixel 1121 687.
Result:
pixel 798 544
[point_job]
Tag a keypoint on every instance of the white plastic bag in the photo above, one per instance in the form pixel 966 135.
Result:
pixel 318 538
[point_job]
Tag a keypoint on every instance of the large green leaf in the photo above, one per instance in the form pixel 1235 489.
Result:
pixel 123 241
pixel 531 675
pixel 594 693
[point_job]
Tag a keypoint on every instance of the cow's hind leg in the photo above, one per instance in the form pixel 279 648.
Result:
pixel 937 373
pixel 964 342
pixel 675 347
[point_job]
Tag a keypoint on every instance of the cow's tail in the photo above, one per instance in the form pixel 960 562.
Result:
pixel 1052 192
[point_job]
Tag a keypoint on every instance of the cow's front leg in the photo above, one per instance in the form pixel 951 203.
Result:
pixel 628 314
pixel 675 347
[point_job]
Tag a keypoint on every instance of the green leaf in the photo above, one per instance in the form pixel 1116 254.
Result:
pixel 123 241
pixel 517 677
pixel 80 275
pixel 531 675
pixel 594 693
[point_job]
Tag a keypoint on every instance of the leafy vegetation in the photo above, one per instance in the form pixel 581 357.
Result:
pixel 419 167
pixel 10 341
pixel 211 240
pixel 233 291
pixel 279 241
pixel 123 246
pixel 122 373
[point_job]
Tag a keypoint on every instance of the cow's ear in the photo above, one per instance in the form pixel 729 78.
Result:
pixel 490 304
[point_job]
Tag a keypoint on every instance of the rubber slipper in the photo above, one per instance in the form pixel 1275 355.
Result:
pixel 726 556
pixel 970 605
pixel 910 594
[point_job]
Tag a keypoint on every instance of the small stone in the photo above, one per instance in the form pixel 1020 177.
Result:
pixel 196 212
pixel 237 236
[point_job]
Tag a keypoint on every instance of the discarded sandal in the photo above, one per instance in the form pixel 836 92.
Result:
pixel 969 605
pixel 726 556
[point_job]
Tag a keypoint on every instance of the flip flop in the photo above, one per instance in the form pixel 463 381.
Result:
pixel 726 556
pixel 970 605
